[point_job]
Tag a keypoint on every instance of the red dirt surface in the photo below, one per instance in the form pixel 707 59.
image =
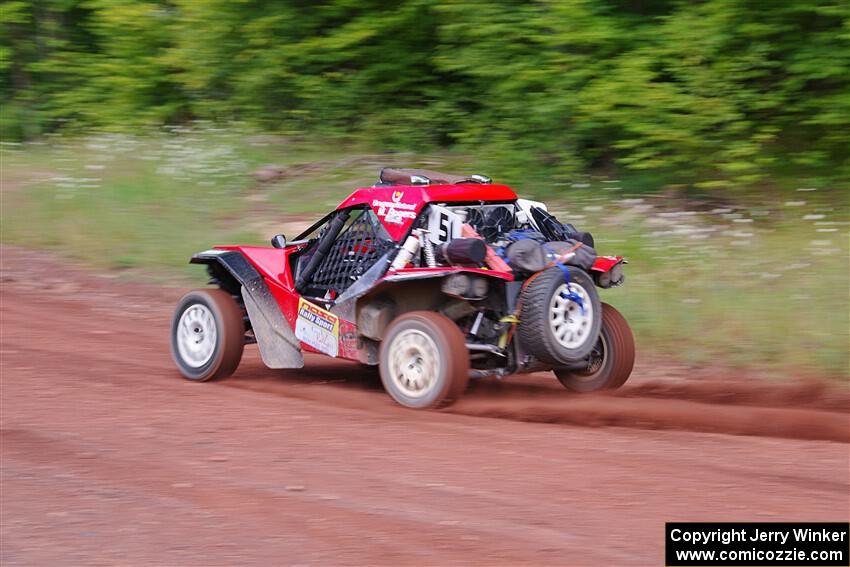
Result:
pixel 108 457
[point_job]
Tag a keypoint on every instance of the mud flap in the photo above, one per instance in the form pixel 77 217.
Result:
pixel 278 346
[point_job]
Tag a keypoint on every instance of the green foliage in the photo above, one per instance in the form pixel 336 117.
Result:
pixel 715 93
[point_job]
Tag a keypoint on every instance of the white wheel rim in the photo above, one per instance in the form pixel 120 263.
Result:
pixel 570 323
pixel 196 335
pixel 414 363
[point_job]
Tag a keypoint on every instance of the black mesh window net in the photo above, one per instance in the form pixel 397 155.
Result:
pixel 359 245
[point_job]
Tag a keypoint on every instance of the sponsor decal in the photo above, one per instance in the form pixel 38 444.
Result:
pixel 394 211
pixel 317 327
pixel 350 344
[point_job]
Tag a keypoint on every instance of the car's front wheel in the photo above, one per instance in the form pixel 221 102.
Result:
pixel 424 362
pixel 611 361
pixel 207 335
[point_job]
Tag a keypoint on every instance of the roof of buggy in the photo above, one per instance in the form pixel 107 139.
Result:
pixel 406 189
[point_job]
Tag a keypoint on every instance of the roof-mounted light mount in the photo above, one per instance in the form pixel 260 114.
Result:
pixel 390 176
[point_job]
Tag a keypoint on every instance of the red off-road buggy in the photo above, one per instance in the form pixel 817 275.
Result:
pixel 435 278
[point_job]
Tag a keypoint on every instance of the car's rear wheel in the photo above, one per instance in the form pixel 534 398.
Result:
pixel 560 316
pixel 424 361
pixel 610 363
pixel 207 335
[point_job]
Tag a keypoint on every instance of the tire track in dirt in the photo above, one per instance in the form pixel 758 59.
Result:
pixel 348 386
pixel 805 393
pixel 646 413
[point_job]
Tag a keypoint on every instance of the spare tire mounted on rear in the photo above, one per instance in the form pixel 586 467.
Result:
pixel 560 315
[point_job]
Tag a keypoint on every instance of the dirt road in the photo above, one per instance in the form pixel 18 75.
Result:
pixel 109 458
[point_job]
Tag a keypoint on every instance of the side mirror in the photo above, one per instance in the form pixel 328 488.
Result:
pixel 279 241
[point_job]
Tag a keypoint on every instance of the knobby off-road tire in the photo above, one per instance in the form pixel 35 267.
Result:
pixel 554 329
pixel 207 335
pixel 612 360
pixel 424 362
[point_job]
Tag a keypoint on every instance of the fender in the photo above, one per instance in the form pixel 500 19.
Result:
pixel 607 271
pixel 605 263
pixel 278 346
